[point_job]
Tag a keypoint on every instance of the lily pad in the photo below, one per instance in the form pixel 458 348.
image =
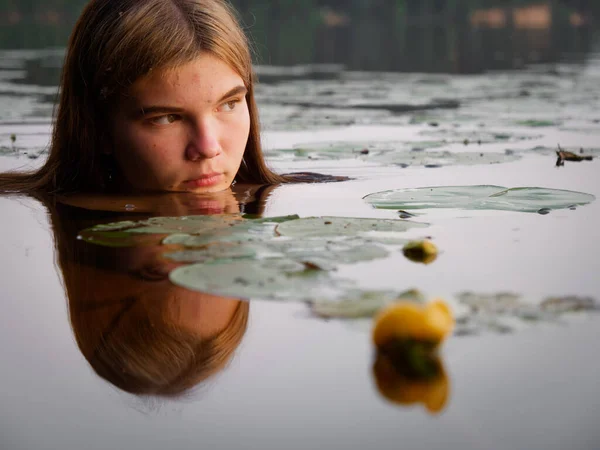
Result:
pixel 505 312
pixel 292 259
pixel 524 199
pixel 361 304
pixel 415 153
pixel 334 150
pixel 269 279
pixel 477 136
pixel 116 239
pixel 190 231
pixel 342 226
pixel 444 158
pixel 356 304
pixel 537 123
pixel 333 254
pixel 185 224
pixel 213 252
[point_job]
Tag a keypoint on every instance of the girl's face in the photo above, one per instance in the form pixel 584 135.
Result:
pixel 183 129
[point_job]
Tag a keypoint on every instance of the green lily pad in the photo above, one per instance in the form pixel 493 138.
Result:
pixel 189 231
pixel 416 153
pixel 444 158
pixel 185 224
pixel 213 252
pixel 357 303
pixel 524 199
pixel 116 239
pixel 168 225
pixel 115 226
pixel 328 255
pixel 268 279
pixel 239 234
pixel 505 312
pixel 341 226
pixel 476 136
pixel 537 123
pixel 293 259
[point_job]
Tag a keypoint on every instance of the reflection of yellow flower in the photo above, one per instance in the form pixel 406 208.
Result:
pixel 407 369
pixel 397 382
pixel 421 251
pixel 405 320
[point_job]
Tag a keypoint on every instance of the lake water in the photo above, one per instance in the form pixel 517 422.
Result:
pixel 296 380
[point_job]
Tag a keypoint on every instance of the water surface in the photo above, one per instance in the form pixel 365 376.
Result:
pixel 297 381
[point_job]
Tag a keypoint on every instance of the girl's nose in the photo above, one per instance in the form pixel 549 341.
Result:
pixel 203 143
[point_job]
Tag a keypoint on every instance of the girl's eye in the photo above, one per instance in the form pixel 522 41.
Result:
pixel 229 106
pixel 164 120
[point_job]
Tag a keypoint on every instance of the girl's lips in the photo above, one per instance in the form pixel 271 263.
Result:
pixel 205 180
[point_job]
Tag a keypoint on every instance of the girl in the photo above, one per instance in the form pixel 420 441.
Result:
pixel 155 95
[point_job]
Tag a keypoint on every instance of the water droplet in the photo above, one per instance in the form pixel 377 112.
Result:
pixel 129 207
pixel 544 211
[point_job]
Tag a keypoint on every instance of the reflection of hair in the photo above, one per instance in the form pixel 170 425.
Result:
pixel 144 354
pixel 137 349
pixel 113 44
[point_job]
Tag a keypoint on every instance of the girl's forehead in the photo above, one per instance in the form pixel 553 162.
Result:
pixel 205 66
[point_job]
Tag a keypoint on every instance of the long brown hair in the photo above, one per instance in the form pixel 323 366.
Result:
pixel 114 43
pixel 123 322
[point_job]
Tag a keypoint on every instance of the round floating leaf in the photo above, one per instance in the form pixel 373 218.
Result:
pixel 357 303
pixel 186 224
pixel 341 226
pixel 537 123
pixel 234 234
pixel 432 159
pixel 239 279
pixel 327 254
pixel 476 136
pixel 213 252
pixel 250 279
pixel 115 226
pixel 525 199
pixel 112 238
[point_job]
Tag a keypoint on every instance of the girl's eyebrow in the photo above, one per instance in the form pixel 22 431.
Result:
pixel 158 109
pixel 235 91
pixel 148 110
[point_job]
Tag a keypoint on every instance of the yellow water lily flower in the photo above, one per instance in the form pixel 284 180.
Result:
pixel 409 321
pixel 420 251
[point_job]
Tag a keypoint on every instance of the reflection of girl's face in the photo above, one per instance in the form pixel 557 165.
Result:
pixel 141 273
pixel 160 204
pixel 183 129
